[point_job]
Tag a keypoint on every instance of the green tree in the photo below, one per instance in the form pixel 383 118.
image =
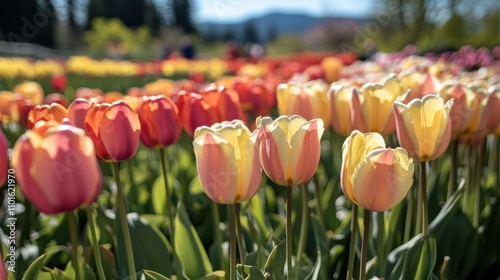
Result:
pixel 27 21
pixel 181 12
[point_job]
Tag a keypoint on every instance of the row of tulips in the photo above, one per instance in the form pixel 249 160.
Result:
pixel 23 68
pixel 427 108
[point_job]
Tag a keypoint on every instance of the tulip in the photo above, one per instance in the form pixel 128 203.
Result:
pixel 424 126
pixel 461 112
pixel 289 151
pixel 160 123
pixel 214 104
pixel 56 167
pixel 344 119
pixel 4 159
pixel 376 105
pixel 53 112
pixel 77 111
pixel 227 162
pixel 59 82
pixel 372 176
pixel 308 100
pixel 289 148
pixel 229 171
pixel 115 130
pixel 30 90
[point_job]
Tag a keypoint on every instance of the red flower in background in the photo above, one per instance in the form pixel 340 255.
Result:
pixel 213 104
pixel 59 82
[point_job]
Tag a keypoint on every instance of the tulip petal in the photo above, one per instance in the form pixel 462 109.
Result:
pixel 307 141
pixel 382 179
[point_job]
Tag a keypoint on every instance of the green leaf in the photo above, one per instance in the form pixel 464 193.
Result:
pixel 255 274
pixel 190 250
pixel 219 274
pixel 34 269
pixel 150 247
pixel 154 275
pixel 276 262
pixel 420 259
pixel 322 245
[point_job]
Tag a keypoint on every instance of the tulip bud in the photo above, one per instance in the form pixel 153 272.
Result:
pixel 115 130
pixel 308 100
pixel 160 123
pixel 372 176
pixel 227 163
pixel 289 148
pixel 53 112
pixel 56 167
pixel 424 126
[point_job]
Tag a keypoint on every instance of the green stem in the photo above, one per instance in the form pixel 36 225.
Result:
pixel 477 196
pixel 289 233
pixel 423 194
pixel 73 234
pixel 303 226
pixel 364 244
pixel 418 224
pixel 217 234
pixel 241 240
pixel 453 169
pixel 468 179
pixel 169 207
pixel 352 245
pixel 381 257
pixel 123 221
pixel 232 241
pixel 410 212
pixel 95 245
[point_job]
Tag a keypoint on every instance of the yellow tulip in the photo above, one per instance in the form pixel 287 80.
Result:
pixel 308 100
pixel 376 105
pixel 289 148
pixel 227 162
pixel 344 119
pixel 424 126
pixel 372 176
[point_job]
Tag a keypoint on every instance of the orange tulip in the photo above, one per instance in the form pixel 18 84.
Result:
pixel 30 90
pixel 160 123
pixel 289 148
pixel 115 130
pixel 424 126
pixel 227 162
pixel 373 176
pixel 308 100
pixel 53 112
pixel 56 98
pixel 56 167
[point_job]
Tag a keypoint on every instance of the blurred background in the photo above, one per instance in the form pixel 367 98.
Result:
pixel 158 29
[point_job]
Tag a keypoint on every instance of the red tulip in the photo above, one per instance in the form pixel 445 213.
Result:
pixel 160 123
pixel 59 82
pixel 4 160
pixel 115 130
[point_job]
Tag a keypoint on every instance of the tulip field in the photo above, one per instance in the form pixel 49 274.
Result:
pixel 311 166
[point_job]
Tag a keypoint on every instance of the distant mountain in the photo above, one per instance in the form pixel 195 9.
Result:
pixel 264 28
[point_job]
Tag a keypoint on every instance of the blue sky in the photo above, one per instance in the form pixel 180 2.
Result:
pixel 236 10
